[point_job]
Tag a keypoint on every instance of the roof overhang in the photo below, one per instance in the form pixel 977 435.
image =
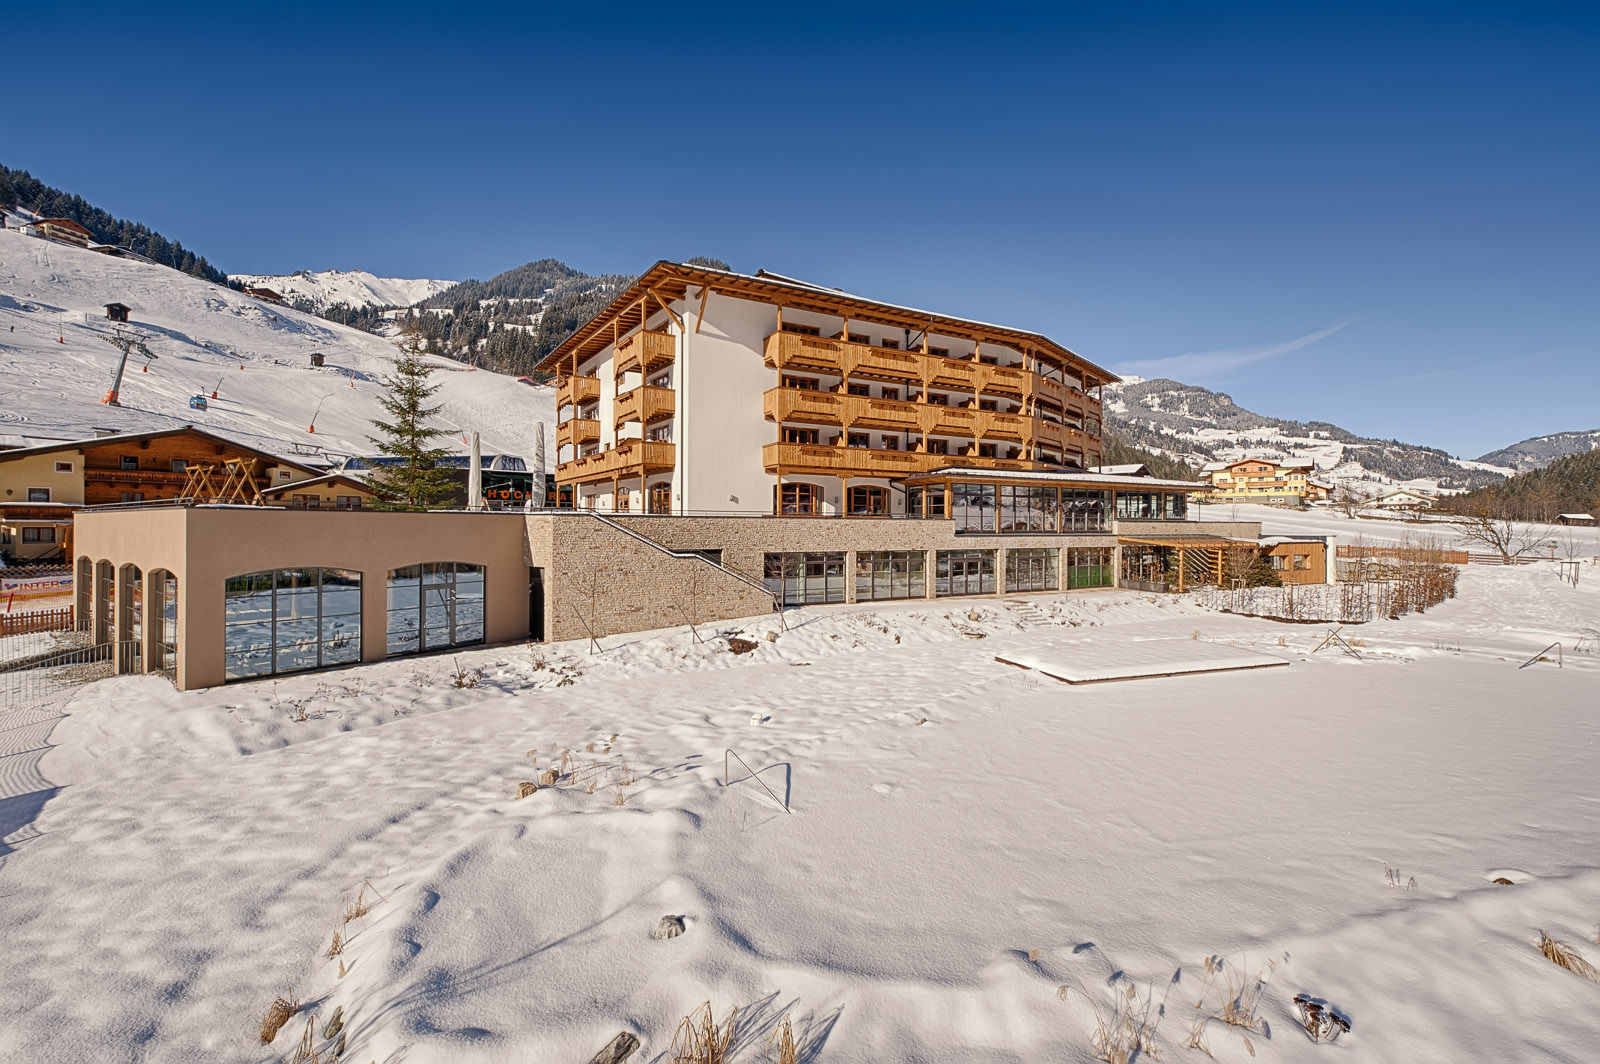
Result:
pixel 666 282
pixel 1066 477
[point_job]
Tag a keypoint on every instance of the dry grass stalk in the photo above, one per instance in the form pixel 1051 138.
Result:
pixel 782 1043
pixel 1241 995
pixel 698 1039
pixel 337 946
pixel 360 907
pixel 1595 936
pixel 1568 957
pixel 282 1008
pixel 1125 1032
pixel 1392 875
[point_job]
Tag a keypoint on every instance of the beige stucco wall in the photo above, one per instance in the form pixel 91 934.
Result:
pixel 17 475
pixel 203 546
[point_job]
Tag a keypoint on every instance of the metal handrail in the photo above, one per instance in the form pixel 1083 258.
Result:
pixel 726 753
pixel 1541 656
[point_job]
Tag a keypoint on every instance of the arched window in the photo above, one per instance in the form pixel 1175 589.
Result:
pixel 435 605
pixel 661 498
pixel 288 620
pixel 800 499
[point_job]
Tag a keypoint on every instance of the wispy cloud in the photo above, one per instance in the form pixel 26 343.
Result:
pixel 1196 366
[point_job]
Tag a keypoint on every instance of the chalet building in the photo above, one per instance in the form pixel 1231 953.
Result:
pixel 1264 480
pixel 1584 520
pixel 266 295
pixel 703 391
pixel 1403 499
pixel 331 491
pixel 62 230
pixel 731 445
pixel 118 312
pixel 42 487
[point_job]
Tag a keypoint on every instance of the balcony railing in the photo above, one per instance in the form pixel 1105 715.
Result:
pixel 644 352
pixel 859 461
pixel 141 476
pixel 645 403
pixel 840 357
pixel 628 459
pixel 577 432
pixel 895 415
pixel 577 390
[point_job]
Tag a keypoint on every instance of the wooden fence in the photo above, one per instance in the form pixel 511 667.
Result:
pixel 59 620
pixel 1405 554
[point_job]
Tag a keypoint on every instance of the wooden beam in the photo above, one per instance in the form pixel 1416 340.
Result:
pixel 705 296
pixel 670 312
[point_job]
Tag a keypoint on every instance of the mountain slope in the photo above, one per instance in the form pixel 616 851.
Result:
pixel 1540 451
pixel 354 288
pixel 254 355
pixel 1199 425
pixel 1570 484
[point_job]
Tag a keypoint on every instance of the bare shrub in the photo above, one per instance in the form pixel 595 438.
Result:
pixel 699 1039
pixel 1568 957
pixel 359 908
pixel 1124 1030
pixel 1393 877
pixel 465 678
pixel 283 1007
pixel 1239 996
pixel 782 1044
pixel 337 946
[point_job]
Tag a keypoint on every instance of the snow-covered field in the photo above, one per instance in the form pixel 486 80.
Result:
pixel 357 288
pixel 965 839
pixel 254 355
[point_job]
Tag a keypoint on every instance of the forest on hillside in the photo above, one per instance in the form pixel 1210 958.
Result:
pixel 20 189
pixel 1567 485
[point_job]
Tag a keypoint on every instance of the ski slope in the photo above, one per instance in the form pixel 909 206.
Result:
pixel 55 365
pixel 358 288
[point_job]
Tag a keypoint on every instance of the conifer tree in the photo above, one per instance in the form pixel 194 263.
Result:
pixel 416 481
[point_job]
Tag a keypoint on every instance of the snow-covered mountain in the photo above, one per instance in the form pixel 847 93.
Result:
pixel 55 363
pixel 1542 450
pixel 1199 426
pixel 357 288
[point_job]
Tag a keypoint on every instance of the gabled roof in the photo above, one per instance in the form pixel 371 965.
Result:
pixel 668 281
pixel 346 479
pixel 62 223
pixel 1131 469
pixel 134 437
pixel 1065 476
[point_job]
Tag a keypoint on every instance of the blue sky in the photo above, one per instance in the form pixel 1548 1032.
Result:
pixel 1379 215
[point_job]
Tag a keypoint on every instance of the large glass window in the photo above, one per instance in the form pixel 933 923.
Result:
pixel 1177 505
pixel 868 500
pixel 287 620
pixel 964 572
pixel 891 574
pixel 1084 511
pixel 1028 507
pixel 973 506
pixel 801 578
pixel 1138 505
pixel 1033 569
pixel 434 605
pixel 1090 567
pixel 929 498
pixel 800 499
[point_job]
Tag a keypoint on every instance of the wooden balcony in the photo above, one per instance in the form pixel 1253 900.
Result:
pixel 833 460
pixel 144 476
pixel 577 432
pixel 630 459
pixel 577 390
pixel 645 403
pixel 644 352
pixel 841 358
pixel 859 412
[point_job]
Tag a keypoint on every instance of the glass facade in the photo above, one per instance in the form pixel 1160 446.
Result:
pixel 1029 507
pixel 973 506
pixel 891 574
pixel 1084 511
pixel 1032 569
pixel 434 605
pixel 802 578
pixel 1090 567
pixel 963 572
pixel 288 620
pixel 1138 505
pixel 1177 506
pixel 929 497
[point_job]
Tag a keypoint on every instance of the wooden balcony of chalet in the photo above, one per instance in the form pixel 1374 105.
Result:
pixel 644 352
pixel 855 412
pixel 574 390
pixel 631 458
pixel 145 476
pixel 577 431
pixel 646 403
pixel 841 358
pixel 835 460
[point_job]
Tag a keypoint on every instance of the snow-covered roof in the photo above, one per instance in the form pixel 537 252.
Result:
pixel 129 437
pixel 1110 480
pixel 1577 517
pixel 353 479
pixel 1129 469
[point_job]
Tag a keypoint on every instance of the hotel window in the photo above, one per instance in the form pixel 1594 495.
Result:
pixel 859 389
pixel 891 443
pixel 1138 505
pixel 858 439
pixel 1032 570
pixel 893 345
pixel 799 435
pixel 38 494
pixel 64 467
pixel 939 352
pixel 304 502
pixel 973 506
pixel 891 393
pixel 180 465
pixel 1028 508
pixel 986 450
pixel 287 620
pixel 133 496
pixel 963 572
pixel 435 605
pixel 805 384
pixel 1084 511
pixel 347 502
pixel 986 404
pixel 938 400
pixel 129 461
pixel 867 499
pixel 799 579
pixel 1177 506
pixel 1090 567
pixel 660 498
pixel 860 338
pixel 800 499
pixel 891 574
pixel 938 447
pixel 803 330
pixel 38 534
pixel 1302 562
pixel 925 501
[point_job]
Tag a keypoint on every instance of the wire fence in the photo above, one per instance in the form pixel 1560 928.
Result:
pixel 1350 602
pixel 43 678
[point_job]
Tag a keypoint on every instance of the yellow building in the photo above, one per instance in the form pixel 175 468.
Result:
pixel 1264 480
